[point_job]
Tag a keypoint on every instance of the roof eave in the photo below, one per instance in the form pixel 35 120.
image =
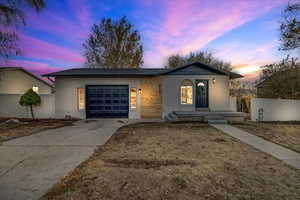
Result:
pixel 233 75
pixel 99 75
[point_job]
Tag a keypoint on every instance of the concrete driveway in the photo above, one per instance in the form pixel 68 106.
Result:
pixel 30 165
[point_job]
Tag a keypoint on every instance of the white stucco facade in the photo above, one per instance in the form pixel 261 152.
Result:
pixel 218 93
pixel 219 100
pixel 10 106
pixel 16 81
pixel 66 94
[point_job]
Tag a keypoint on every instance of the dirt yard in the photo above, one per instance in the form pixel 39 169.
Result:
pixel 284 134
pixel 24 127
pixel 178 161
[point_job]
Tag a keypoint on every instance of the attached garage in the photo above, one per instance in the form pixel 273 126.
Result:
pixel 111 101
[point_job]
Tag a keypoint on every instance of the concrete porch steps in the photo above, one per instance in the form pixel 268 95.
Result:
pixel 171 117
pixel 203 116
pixel 217 121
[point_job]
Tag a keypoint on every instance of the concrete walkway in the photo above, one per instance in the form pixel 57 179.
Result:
pixel 30 165
pixel 290 157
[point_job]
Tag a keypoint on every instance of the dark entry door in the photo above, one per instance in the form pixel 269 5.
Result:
pixel 201 93
pixel 107 101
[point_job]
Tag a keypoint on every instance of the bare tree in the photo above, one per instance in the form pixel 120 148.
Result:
pixel 205 57
pixel 280 80
pixel 290 27
pixel 114 44
pixel 11 15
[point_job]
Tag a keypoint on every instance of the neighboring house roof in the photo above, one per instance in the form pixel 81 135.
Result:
pixel 287 80
pixel 29 73
pixel 245 92
pixel 293 73
pixel 134 72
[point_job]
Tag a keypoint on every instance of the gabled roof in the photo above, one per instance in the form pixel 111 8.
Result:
pixel 207 67
pixel 92 72
pixel 29 73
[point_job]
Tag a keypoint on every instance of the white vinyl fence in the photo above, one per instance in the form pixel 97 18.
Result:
pixel 10 107
pixel 275 109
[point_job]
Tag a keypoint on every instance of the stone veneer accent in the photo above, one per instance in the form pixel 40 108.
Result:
pixel 151 98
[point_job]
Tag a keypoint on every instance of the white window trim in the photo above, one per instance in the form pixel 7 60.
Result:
pixel 136 101
pixel 180 93
pixel 79 108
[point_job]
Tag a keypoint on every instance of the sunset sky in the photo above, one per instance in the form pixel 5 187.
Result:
pixel 243 32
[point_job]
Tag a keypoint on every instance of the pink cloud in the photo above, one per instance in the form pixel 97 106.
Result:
pixel 191 24
pixel 82 12
pixel 251 77
pixel 57 24
pixel 249 55
pixel 40 49
pixel 36 68
pixel 247 59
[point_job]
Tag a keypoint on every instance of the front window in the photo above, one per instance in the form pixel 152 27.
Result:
pixel 186 92
pixel 80 98
pixel 133 98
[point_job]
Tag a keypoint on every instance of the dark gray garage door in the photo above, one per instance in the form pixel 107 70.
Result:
pixel 107 101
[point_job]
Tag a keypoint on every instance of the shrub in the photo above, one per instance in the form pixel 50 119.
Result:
pixel 30 98
pixel 244 104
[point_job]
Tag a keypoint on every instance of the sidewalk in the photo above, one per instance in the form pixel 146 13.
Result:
pixel 290 157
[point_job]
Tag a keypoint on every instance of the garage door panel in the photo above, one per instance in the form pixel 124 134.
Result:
pixel 107 101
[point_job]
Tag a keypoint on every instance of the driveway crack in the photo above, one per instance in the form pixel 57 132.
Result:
pixel 11 168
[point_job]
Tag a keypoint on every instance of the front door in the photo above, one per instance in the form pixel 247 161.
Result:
pixel 201 93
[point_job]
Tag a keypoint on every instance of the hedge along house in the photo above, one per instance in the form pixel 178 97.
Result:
pixel 141 93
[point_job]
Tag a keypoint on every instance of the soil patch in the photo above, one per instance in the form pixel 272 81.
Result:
pixel 285 134
pixel 14 128
pixel 178 161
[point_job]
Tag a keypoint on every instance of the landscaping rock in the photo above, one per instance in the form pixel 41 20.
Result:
pixel 12 121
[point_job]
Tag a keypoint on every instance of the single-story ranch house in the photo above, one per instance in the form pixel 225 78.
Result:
pixel 140 93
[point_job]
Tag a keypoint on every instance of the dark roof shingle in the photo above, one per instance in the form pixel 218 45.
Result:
pixel 107 72
pixel 76 72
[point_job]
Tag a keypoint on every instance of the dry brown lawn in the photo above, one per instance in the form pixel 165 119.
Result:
pixel 178 161
pixel 27 127
pixel 284 134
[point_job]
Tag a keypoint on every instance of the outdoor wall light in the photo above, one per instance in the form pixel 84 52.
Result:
pixel 35 89
pixel 214 80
